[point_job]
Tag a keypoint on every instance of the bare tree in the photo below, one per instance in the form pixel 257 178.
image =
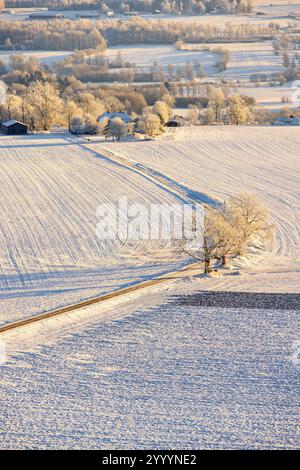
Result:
pixel 218 240
pixel 251 219
pixel 229 230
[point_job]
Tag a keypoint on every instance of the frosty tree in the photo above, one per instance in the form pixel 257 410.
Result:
pixel 251 219
pixel 230 229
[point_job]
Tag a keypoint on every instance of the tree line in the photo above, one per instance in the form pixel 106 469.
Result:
pixel 86 34
pixel 66 35
pixel 41 99
pixel 165 6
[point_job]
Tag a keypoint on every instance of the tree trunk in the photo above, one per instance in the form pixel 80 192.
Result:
pixel 207 268
pixel 224 260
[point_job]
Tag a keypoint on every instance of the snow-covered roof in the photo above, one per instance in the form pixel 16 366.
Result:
pixel 12 122
pixel 125 117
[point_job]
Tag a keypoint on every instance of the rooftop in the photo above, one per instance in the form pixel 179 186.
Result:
pixel 12 122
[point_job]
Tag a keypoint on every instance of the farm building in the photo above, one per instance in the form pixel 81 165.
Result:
pixel 109 116
pixel 14 127
pixel 172 123
pixel 46 16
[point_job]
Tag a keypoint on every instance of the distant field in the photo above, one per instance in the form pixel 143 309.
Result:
pixel 221 20
pixel 269 96
pixel 278 13
pixel 46 57
pixel 146 55
pixel 248 59
pixel 277 7
pixel 245 59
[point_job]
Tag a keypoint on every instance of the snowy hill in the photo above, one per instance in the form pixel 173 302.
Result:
pixel 51 187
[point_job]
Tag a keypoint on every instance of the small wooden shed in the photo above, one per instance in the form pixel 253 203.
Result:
pixel 14 127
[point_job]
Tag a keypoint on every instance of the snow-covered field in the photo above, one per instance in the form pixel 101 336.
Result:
pixel 46 57
pixel 270 96
pixel 51 187
pixel 219 161
pixel 221 20
pixel 253 58
pixel 245 58
pixel 147 55
pixel 277 14
pixel 279 8
pixel 154 369
pixel 155 373
pixel 49 253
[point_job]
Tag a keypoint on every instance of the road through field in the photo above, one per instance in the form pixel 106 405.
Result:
pixel 192 269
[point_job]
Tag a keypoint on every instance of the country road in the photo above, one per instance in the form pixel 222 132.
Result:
pixel 192 269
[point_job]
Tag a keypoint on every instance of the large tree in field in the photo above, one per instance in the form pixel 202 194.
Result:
pixel 11 107
pixel 162 110
pixel 71 111
pixel 229 230
pixel 47 104
pixel 251 219
pixel 150 123
pixel 218 239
